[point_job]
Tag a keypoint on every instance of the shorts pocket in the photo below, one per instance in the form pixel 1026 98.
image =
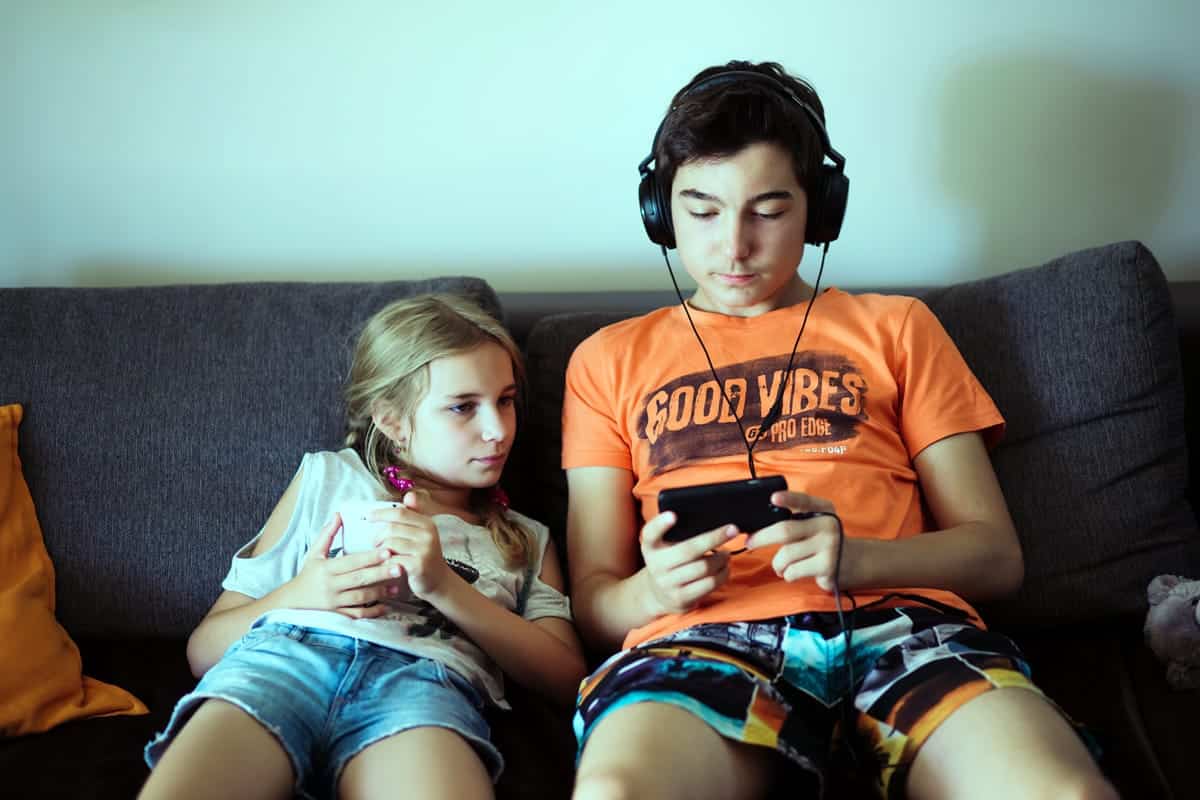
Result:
pixel 249 640
pixel 451 679
pixel 258 636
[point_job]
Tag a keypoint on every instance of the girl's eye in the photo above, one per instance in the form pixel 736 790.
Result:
pixel 768 214
pixel 508 400
pixel 703 214
pixel 463 408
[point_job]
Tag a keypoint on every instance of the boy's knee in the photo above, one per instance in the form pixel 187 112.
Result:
pixel 1090 787
pixel 605 784
pixel 1086 786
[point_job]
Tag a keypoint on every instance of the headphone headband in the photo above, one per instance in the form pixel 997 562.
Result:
pixel 827 191
pixel 748 76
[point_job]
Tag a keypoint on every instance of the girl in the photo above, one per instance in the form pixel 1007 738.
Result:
pixel 352 674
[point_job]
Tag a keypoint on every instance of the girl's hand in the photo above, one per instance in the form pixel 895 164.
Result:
pixel 351 584
pixel 808 547
pixel 680 574
pixel 412 537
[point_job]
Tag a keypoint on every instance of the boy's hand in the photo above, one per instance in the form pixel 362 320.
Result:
pixel 680 574
pixel 350 584
pixel 808 548
pixel 412 536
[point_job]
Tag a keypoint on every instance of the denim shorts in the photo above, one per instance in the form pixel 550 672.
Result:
pixel 326 697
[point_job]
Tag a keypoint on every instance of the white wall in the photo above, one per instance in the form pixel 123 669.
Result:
pixel 159 142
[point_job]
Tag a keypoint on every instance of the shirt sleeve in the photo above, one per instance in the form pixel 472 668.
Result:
pixel 257 576
pixel 546 601
pixel 542 599
pixel 593 435
pixel 940 395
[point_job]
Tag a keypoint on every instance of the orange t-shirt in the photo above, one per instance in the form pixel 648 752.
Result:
pixel 875 381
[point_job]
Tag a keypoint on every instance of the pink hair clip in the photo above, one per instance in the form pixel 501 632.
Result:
pixel 499 497
pixel 402 484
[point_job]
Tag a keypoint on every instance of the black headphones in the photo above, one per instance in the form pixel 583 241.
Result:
pixel 827 189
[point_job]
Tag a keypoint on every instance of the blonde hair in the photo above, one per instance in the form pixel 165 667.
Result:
pixel 390 370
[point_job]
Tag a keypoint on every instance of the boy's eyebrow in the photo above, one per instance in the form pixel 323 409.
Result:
pixel 778 194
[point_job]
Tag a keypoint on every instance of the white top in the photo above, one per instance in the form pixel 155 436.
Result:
pixel 412 625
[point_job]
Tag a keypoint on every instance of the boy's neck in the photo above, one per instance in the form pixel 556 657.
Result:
pixel 794 292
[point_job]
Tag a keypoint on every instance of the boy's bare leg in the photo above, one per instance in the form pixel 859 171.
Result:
pixel 221 752
pixel 662 751
pixel 1006 743
pixel 425 762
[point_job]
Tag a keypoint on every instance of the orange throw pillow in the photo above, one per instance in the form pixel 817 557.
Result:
pixel 41 675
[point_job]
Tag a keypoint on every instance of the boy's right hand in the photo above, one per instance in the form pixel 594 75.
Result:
pixel 681 574
pixel 351 584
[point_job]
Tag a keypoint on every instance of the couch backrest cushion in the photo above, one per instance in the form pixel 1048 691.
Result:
pixel 1081 356
pixel 535 480
pixel 163 423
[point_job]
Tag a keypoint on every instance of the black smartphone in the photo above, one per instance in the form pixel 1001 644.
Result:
pixel 744 503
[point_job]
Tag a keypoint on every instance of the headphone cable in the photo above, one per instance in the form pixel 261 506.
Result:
pixel 777 408
pixel 772 415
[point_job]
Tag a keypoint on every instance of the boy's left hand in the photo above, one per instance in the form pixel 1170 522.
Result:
pixel 808 548
pixel 413 537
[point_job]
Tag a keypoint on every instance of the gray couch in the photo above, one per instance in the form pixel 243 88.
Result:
pixel 162 423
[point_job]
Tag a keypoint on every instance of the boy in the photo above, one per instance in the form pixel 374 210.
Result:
pixel 846 623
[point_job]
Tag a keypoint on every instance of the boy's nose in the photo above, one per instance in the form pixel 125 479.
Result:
pixel 737 240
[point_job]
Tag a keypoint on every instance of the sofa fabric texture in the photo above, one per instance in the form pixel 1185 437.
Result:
pixel 162 424
pixel 1081 355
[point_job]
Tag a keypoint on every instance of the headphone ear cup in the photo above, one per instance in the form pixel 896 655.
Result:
pixel 826 205
pixel 656 213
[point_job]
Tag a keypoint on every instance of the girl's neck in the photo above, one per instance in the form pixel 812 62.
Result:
pixel 441 500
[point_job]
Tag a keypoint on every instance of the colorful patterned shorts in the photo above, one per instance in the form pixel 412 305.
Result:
pixel 779 683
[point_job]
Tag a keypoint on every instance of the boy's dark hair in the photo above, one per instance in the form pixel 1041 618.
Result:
pixel 721 120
